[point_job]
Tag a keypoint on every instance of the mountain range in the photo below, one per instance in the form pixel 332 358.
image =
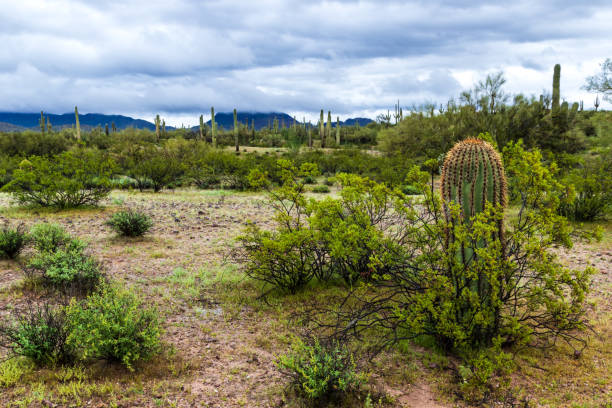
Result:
pixel 15 121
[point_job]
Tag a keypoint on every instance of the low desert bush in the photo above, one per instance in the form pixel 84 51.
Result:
pixel 68 267
pixel 69 179
pixel 321 371
pixel 411 190
pixel 114 325
pixel 39 333
pixel 130 223
pixel 336 237
pixel 310 180
pixel 12 241
pixel 48 237
pixel 320 189
pixel 591 196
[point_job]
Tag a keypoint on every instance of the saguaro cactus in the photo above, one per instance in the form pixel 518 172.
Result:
pixel 49 127
pixel 309 135
pixel 328 126
pixel 41 122
pixel 236 130
pixel 213 127
pixel 157 125
pixel 321 132
pixel 338 131
pixel 556 92
pixel 201 127
pixel 78 125
pixel 472 175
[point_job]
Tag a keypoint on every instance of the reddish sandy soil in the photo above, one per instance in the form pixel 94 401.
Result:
pixel 220 347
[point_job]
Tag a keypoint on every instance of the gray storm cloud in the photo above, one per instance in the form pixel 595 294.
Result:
pixel 181 57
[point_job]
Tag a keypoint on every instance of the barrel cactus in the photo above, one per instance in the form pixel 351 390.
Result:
pixel 473 175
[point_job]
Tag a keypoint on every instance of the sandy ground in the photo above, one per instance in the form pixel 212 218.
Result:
pixel 218 353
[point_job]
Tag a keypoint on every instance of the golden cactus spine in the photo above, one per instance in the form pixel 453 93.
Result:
pixel 472 175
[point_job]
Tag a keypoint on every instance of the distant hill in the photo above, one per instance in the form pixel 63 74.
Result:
pixel 9 127
pixel 226 119
pixel 353 121
pixel 30 120
pixel 16 122
pixel 262 120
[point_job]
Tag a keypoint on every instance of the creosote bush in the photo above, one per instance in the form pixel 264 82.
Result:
pixel 321 371
pixel 327 239
pixel 114 325
pixel 517 292
pixel 509 289
pixel 130 223
pixel 39 333
pixel 12 241
pixel 69 179
pixel 320 189
pixel 68 267
pixel 591 196
pixel 48 237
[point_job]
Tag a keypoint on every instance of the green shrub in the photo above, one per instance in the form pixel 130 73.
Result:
pixel 341 237
pixel 484 374
pixel 69 179
pixel 513 290
pixel 289 257
pixel 285 259
pixel 350 229
pixel 411 190
pixel 67 267
pixel 319 371
pixel 114 325
pixel 592 195
pixel 310 180
pixel 12 241
pixel 124 183
pixel 156 168
pixel 48 237
pixel 328 181
pixel 130 223
pixel 320 189
pixel 39 333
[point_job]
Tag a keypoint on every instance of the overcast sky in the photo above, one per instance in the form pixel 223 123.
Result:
pixel 355 58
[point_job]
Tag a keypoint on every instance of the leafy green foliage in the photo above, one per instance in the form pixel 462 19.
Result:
pixel 320 189
pixel 287 258
pixel 12 241
pixel 321 371
pixel 484 373
pixel 411 190
pixel 156 167
pixel 335 237
pixel 310 180
pixel 351 229
pixel 48 237
pixel 130 223
pixel 30 143
pixel 592 188
pixel 513 291
pixel 114 325
pixel 69 179
pixel 67 267
pixel 40 333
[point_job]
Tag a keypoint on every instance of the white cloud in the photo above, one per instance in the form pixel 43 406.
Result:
pixel 352 57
